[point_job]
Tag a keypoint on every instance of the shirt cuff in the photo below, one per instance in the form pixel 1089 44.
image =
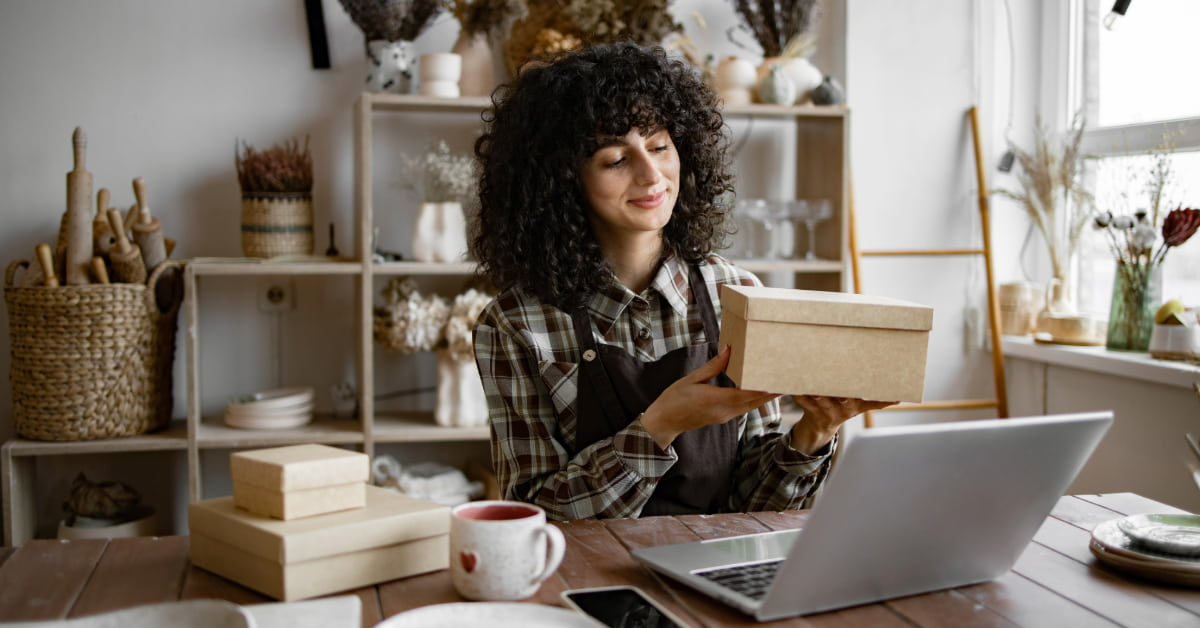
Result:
pixel 640 454
pixel 793 459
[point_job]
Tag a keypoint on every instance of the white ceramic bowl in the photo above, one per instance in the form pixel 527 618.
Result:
pixel 268 423
pixel 278 398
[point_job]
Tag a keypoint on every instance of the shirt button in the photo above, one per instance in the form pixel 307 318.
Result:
pixel 643 333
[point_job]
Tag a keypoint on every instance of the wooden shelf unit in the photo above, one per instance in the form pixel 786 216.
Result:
pixel 821 171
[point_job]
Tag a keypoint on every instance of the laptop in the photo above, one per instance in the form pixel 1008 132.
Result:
pixel 906 510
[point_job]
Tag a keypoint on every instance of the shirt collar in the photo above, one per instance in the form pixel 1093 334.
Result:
pixel 670 282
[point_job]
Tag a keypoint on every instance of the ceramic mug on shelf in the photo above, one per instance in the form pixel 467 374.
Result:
pixel 502 550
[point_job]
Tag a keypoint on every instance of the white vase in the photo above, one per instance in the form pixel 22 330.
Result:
pixel 390 66
pixel 805 77
pixel 776 87
pixel 440 234
pixel 478 65
pixel 734 80
pixel 460 398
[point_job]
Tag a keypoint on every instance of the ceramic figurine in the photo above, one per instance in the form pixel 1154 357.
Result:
pixel 829 92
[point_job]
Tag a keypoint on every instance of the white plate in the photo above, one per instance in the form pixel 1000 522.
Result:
pixel 267 423
pixel 1178 535
pixel 489 614
pixel 278 398
pixel 1110 538
pixel 250 411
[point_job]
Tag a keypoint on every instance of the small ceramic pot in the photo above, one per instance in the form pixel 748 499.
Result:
pixel 440 66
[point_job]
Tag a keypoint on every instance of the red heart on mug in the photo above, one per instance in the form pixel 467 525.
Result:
pixel 468 560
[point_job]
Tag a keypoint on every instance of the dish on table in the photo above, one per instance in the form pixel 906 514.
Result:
pixel 1175 535
pixel 490 614
pixel 1110 537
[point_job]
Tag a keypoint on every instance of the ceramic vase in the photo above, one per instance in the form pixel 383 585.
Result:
pixel 460 398
pixel 478 64
pixel 734 80
pixel 439 74
pixel 805 76
pixel 776 87
pixel 1135 298
pixel 440 233
pixel 390 66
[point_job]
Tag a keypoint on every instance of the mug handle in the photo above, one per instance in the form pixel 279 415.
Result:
pixel 554 553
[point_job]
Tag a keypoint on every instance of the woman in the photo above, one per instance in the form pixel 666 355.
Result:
pixel 601 178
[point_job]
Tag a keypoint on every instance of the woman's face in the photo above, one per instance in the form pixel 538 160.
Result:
pixel 631 184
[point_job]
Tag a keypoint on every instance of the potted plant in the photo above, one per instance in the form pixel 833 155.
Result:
pixel 277 216
pixel 389 28
pixel 480 23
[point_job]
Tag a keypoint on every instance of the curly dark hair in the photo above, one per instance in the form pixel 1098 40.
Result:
pixel 533 231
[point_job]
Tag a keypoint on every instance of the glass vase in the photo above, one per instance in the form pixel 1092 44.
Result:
pixel 1135 296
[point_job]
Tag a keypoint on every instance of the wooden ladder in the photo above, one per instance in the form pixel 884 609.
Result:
pixel 1000 401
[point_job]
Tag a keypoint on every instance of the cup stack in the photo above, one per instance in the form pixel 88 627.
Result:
pixel 303 522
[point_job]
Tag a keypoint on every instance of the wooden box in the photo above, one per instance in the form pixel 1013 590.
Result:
pixel 805 342
pixel 393 536
pixel 299 480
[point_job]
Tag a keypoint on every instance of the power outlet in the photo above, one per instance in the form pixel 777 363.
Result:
pixel 276 295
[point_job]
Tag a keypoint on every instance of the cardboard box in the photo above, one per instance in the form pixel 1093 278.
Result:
pixel 320 576
pixel 805 342
pixel 299 480
pixel 393 536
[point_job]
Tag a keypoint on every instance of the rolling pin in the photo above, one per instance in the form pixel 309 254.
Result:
pixel 76 230
pixel 126 258
pixel 103 239
pixel 147 232
pixel 46 258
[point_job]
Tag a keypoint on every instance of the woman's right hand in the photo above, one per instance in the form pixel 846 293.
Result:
pixel 693 402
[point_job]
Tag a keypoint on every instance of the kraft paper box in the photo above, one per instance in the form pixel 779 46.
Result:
pixel 806 342
pixel 299 481
pixel 393 536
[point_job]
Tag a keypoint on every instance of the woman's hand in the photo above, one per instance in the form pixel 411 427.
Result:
pixel 823 416
pixel 692 402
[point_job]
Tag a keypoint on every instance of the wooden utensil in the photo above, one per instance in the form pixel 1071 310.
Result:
pixel 46 258
pixel 76 230
pixel 146 230
pixel 126 258
pixel 99 270
pixel 103 239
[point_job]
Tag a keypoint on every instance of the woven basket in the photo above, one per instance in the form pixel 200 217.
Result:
pixel 92 361
pixel 277 224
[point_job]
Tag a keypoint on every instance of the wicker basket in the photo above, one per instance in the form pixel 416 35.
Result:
pixel 277 224
pixel 92 361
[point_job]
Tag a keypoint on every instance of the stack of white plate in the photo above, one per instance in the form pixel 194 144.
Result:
pixel 1165 548
pixel 271 409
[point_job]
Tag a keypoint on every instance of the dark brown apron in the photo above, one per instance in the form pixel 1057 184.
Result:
pixel 615 387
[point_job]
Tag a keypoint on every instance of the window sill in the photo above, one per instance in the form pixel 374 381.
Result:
pixel 1133 365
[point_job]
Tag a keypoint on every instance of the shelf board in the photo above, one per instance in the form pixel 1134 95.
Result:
pixel 790 265
pixel 214 434
pixel 429 104
pixel 170 439
pixel 411 102
pixel 420 428
pixel 290 265
pixel 424 268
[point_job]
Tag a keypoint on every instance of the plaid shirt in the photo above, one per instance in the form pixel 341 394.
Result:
pixel 529 360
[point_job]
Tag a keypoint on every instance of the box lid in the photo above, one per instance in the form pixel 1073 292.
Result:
pixel 388 518
pixel 824 308
pixel 298 467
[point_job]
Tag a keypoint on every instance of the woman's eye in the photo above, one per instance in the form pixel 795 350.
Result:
pixel 659 149
pixel 614 163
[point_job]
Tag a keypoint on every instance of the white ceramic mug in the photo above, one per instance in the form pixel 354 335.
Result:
pixel 502 550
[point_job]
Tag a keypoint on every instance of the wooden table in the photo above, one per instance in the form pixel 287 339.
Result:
pixel 1056 582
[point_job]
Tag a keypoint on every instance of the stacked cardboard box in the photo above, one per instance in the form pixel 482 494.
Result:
pixel 303 522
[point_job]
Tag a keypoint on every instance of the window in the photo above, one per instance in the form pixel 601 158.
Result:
pixel 1139 94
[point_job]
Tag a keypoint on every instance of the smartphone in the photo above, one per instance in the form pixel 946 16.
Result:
pixel 621 607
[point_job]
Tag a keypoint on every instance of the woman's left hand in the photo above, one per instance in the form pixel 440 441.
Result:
pixel 823 416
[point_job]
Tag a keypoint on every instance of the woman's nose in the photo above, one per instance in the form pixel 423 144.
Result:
pixel 646 169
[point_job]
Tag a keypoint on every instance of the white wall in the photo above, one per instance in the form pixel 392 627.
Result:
pixel 163 90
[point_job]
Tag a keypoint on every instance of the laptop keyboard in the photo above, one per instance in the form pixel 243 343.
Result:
pixel 751 581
